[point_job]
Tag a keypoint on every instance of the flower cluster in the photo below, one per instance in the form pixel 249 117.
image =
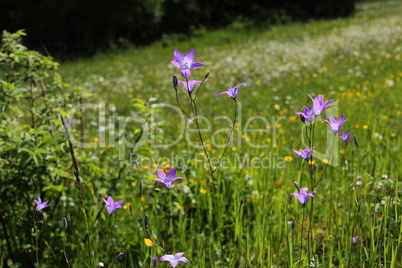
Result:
pixel 318 107
pixel 186 63
pixel 310 116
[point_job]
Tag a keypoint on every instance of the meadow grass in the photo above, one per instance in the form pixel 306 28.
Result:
pixel 356 61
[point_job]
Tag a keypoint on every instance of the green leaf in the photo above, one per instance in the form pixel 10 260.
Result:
pixel 57 188
pixel 37 159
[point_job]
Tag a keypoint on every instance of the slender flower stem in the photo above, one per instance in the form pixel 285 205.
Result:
pixel 32 101
pixel 344 160
pixel 36 244
pixel 166 218
pixel 309 231
pixel 198 89
pixel 228 140
pixel 302 232
pixel 111 236
pixel 143 205
pixel 80 188
pixel 311 166
pixel 195 113
pixel 65 251
pixel 329 161
pixel 181 109
pixel 211 168
pixel 149 196
pixel 234 219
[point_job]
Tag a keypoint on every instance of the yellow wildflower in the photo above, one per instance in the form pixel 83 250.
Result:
pixel 148 242
pixel 288 158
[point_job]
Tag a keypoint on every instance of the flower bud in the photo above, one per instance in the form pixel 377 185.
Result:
pixel 154 261
pixel 292 223
pixel 297 185
pixel 356 141
pixel 313 169
pixel 302 118
pixel 119 256
pixel 242 201
pixel 175 82
pixel 146 221
pixel 64 221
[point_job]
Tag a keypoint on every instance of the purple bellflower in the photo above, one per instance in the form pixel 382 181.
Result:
pixel 307 114
pixel 319 105
pixel 185 63
pixel 168 179
pixel 190 85
pixel 111 205
pixel 336 125
pixel 232 92
pixel 302 196
pixel 355 239
pixel 174 259
pixel 345 136
pixel 306 153
pixel 41 205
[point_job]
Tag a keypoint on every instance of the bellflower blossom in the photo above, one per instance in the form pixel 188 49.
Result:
pixel 307 114
pixel 111 205
pixel 168 179
pixel 302 196
pixel 232 92
pixel 345 136
pixel 41 205
pixel 336 125
pixel 185 63
pixel 306 153
pixel 318 104
pixel 174 259
pixel 190 85
pixel 355 239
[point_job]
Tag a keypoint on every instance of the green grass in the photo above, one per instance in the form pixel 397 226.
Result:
pixel 356 61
